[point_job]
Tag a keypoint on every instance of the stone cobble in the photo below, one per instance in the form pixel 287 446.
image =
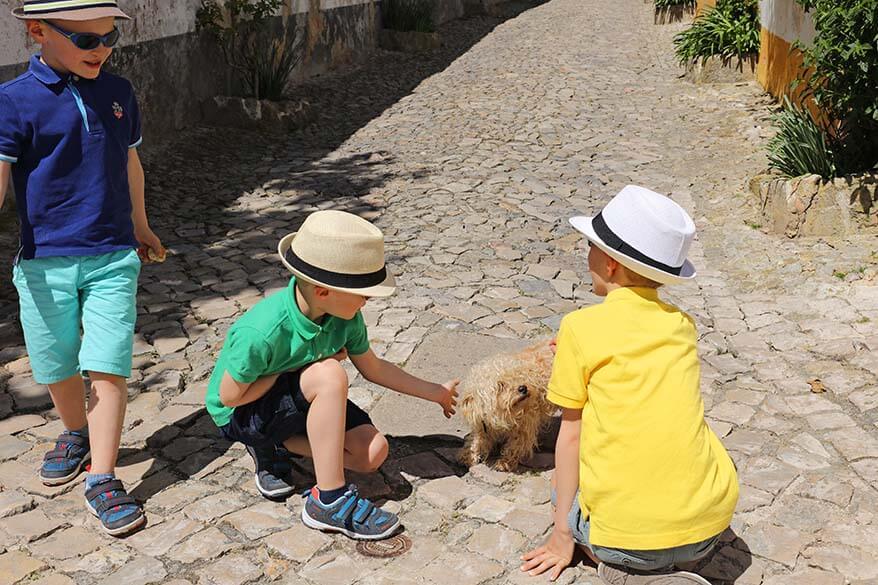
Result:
pixel 470 159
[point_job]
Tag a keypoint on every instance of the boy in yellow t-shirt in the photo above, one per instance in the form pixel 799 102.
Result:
pixel 641 482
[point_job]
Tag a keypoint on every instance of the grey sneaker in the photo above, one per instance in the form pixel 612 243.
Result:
pixel 273 473
pixel 612 575
pixel 352 515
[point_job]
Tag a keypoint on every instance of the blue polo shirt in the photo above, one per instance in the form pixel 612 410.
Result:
pixel 68 140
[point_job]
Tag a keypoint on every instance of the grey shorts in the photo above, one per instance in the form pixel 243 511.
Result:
pixel 641 560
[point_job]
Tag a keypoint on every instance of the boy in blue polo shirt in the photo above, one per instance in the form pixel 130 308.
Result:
pixel 68 139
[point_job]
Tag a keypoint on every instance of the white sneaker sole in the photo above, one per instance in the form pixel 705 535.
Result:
pixel 317 525
pixel 273 493
pixel 55 481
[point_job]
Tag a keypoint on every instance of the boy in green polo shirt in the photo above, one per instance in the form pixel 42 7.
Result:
pixel 641 482
pixel 279 381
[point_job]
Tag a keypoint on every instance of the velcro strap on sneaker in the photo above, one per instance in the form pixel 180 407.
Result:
pixel 110 503
pixel 114 485
pixel 57 454
pixel 364 510
pixel 346 509
pixel 77 440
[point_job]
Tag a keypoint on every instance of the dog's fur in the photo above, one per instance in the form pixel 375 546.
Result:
pixel 504 401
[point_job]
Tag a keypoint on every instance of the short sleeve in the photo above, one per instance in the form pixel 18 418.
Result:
pixel 136 136
pixel 358 336
pixel 11 131
pixel 568 386
pixel 246 355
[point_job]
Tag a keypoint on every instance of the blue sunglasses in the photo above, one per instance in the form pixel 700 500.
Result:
pixel 89 41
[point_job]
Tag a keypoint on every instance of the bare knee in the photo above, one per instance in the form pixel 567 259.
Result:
pixel 369 456
pixel 324 378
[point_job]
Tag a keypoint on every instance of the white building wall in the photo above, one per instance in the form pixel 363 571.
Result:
pixel 151 20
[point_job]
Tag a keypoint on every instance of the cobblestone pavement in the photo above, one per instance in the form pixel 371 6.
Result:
pixel 470 159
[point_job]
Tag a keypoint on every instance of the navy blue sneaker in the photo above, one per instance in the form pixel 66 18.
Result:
pixel 273 472
pixel 118 512
pixel 63 463
pixel 352 515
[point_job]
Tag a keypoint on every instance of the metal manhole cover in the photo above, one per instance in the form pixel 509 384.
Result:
pixel 391 547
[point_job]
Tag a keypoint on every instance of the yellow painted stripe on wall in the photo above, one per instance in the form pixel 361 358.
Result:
pixel 778 65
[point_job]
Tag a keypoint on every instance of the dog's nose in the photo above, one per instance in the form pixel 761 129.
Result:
pixel 522 390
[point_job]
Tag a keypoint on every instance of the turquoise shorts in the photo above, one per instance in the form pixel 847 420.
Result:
pixel 78 313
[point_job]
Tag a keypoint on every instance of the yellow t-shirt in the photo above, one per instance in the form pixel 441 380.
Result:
pixel 652 474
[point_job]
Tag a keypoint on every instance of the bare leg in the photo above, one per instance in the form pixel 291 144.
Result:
pixel 69 398
pixel 365 449
pixel 106 412
pixel 325 385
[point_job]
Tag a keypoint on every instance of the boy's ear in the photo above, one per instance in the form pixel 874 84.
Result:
pixel 320 291
pixel 37 30
pixel 612 265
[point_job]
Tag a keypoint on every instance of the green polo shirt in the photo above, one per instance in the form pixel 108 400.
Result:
pixel 273 337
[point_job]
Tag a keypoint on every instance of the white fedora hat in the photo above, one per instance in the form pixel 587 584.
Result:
pixel 647 233
pixel 68 10
pixel 339 251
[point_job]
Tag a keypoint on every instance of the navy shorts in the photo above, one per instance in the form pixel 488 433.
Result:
pixel 280 414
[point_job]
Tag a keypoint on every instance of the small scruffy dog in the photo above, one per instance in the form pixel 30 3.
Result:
pixel 504 402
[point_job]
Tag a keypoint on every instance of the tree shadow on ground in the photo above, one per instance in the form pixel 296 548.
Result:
pixel 193 449
pixel 222 198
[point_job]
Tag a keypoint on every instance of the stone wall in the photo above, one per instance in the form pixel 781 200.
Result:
pixel 174 69
pixel 809 206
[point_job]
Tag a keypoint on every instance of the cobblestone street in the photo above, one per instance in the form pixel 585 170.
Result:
pixel 471 159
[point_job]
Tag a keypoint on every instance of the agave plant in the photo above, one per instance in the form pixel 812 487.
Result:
pixel 731 29
pixel 408 15
pixel 801 146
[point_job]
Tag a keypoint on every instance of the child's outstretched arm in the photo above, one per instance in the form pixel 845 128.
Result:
pixel 137 188
pixel 5 171
pixel 383 373
pixel 557 552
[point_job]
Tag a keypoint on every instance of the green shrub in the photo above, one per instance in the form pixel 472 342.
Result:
pixel 731 29
pixel 665 4
pixel 242 28
pixel 408 15
pixel 840 72
pixel 800 146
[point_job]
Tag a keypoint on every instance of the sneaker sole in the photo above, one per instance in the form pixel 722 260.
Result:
pixel 317 525
pixel 121 530
pixel 683 576
pixel 55 481
pixel 278 493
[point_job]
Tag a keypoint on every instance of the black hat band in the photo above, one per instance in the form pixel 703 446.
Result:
pixel 335 278
pixel 611 240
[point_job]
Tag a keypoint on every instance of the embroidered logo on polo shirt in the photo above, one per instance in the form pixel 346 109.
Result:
pixel 118 111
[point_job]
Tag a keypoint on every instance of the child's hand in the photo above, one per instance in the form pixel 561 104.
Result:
pixel 151 249
pixel 556 554
pixel 447 400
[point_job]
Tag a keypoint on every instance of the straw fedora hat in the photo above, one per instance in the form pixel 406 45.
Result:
pixel 68 10
pixel 339 251
pixel 647 233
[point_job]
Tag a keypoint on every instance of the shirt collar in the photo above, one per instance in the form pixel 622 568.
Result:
pixel 307 328
pixel 45 73
pixel 631 293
